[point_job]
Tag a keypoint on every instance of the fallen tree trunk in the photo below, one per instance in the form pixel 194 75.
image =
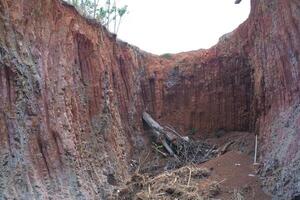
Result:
pixel 156 126
pixel 151 122
pixel 159 132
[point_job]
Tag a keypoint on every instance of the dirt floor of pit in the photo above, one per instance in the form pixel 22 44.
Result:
pixel 237 177
pixel 229 176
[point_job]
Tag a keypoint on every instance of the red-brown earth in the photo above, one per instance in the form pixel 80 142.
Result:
pixel 236 176
pixel 72 97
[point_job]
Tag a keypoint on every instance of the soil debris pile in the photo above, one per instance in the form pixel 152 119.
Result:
pixel 230 176
pixel 181 183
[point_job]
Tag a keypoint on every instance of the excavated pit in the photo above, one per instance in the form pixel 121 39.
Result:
pixel 72 97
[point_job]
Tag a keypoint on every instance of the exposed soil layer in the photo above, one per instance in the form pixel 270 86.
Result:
pixel 72 97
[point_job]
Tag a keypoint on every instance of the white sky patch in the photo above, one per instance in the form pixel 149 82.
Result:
pixel 172 26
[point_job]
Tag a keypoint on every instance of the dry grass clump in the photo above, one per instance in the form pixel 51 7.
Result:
pixel 238 195
pixel 182 183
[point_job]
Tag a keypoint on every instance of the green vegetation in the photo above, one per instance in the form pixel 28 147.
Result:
pixel 108 13
pixel 167 55
pixel 193 131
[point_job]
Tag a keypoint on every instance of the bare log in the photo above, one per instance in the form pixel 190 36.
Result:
pixel 151 122
pixel 164 142
pixel 156 126
pixel 159 132
pixel 168 148
pixel 185 138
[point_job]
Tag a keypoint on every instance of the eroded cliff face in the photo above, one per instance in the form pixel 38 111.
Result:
pixel 72 97
pixel 70 103
pixel 275 59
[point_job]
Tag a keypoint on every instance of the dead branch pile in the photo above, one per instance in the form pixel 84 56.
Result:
pixel 183 149
pixel 192 152
pixel 182 183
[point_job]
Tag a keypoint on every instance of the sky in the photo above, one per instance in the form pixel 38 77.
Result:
pixel 173 26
